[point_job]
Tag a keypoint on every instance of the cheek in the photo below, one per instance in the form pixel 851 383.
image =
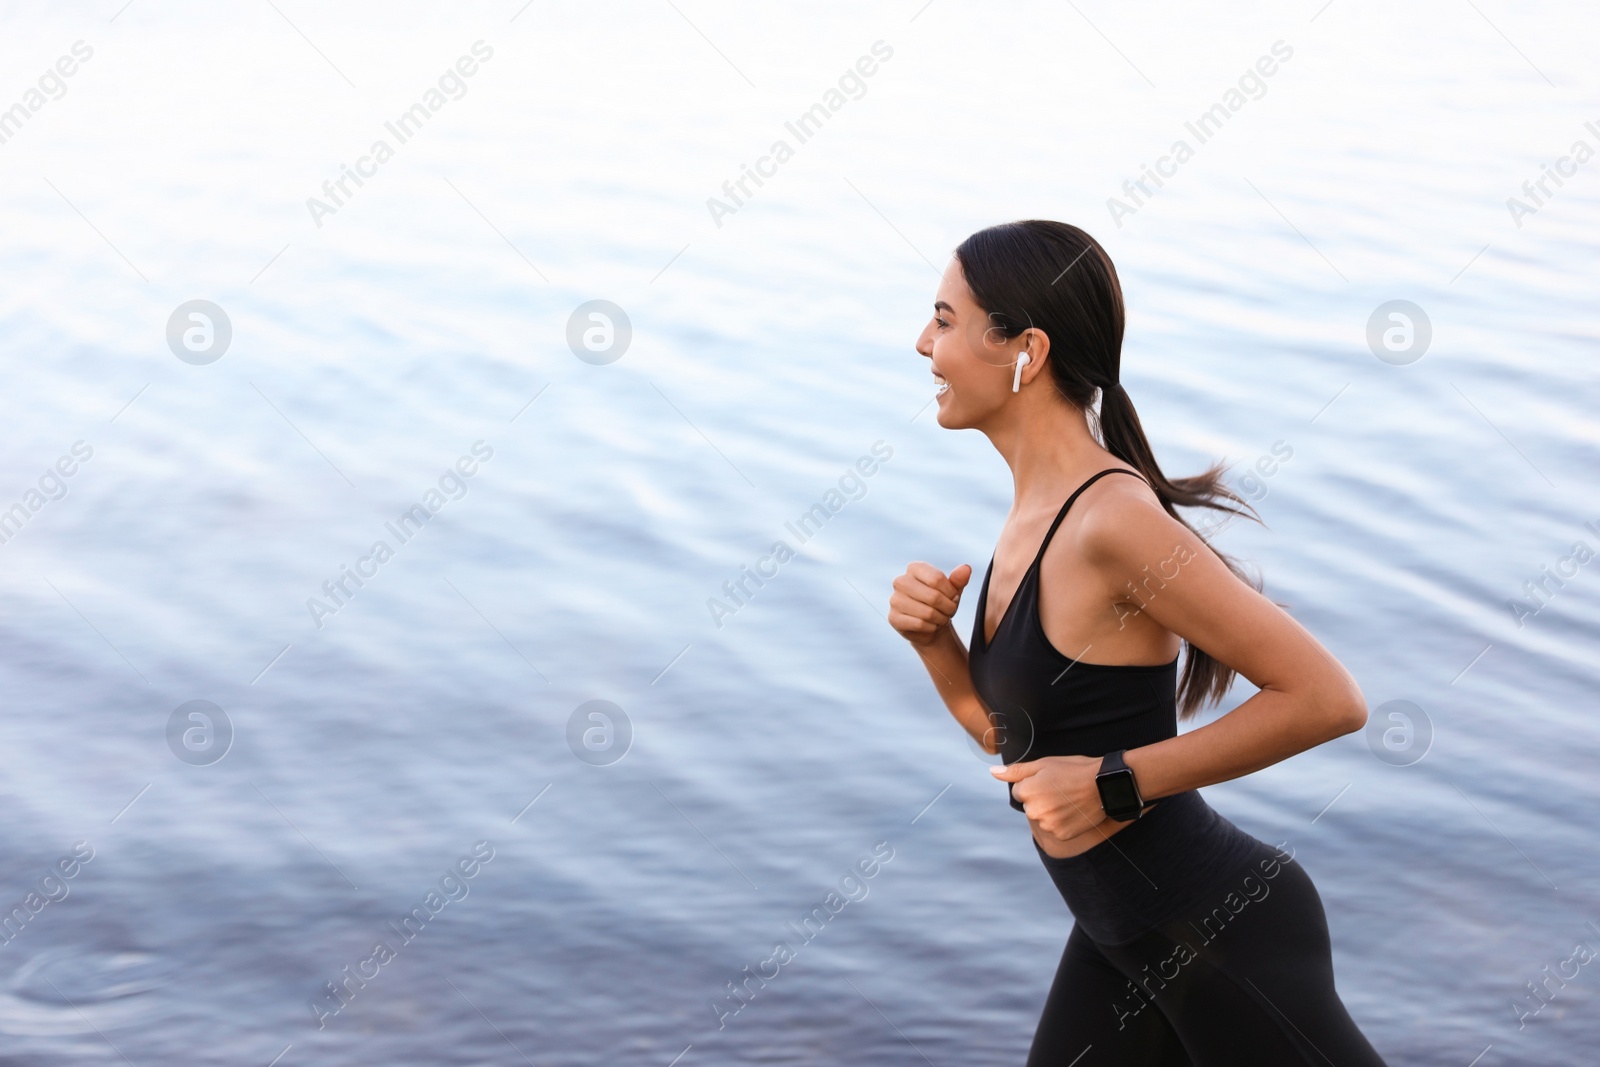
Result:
pixel 975 391
pixel 970 373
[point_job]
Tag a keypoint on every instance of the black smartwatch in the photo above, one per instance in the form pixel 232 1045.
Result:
pixel 1119 793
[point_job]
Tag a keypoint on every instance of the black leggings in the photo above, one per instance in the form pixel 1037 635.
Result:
pixel 1247 982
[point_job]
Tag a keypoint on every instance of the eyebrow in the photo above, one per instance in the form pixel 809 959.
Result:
pixel 940 305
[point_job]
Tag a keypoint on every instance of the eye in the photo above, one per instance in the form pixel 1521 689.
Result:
pixel 943 325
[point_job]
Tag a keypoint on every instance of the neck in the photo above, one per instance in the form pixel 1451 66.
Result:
pixel 1047 444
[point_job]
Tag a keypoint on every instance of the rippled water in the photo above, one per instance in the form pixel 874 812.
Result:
pixel 434 709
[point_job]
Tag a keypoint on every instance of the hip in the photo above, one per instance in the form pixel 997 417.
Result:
pixel 1172 861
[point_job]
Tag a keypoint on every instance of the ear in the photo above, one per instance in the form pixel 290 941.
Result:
pixel 1036 343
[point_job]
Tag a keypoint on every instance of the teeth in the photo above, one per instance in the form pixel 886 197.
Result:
pixel 938 379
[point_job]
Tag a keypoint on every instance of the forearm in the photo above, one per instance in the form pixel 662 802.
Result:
pixel 1269 727
pixel 946 660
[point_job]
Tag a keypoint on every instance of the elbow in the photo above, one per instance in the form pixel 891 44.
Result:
pixel 974 718
pixel 1353 719
pixel 1347 713
pixel 1331 710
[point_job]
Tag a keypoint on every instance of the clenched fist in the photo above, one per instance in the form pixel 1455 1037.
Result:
pixel 925 600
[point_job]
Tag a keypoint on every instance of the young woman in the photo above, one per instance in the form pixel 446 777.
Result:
pixel 1193 943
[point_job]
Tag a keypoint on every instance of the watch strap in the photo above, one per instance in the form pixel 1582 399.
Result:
pixel 1112 762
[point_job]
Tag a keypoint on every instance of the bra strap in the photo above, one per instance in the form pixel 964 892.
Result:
pixel 1062 514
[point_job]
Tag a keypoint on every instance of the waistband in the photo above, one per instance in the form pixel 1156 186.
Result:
pixel 1176 857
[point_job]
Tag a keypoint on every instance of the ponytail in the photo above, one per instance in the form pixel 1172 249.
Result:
pixel 1009 269
pixel 1205 679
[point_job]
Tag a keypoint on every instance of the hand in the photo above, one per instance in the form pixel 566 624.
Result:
pixel 925 600
pixel 1057 793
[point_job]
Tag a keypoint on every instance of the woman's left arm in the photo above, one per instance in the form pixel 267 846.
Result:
pixel 1306 696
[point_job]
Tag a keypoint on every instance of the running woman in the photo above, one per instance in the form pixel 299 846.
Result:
pixel 1193 942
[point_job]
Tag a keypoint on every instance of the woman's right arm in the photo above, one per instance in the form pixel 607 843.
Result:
pixel 921 609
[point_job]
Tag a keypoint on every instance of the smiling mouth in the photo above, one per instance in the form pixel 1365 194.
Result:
pixel 943 386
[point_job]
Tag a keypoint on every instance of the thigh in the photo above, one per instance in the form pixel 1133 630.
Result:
pixel 1250 982
pixel 1094 1017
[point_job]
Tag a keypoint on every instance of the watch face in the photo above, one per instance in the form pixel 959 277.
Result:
pixel 1118 794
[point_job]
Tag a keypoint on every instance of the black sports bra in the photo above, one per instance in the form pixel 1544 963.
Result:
pixel 1043 703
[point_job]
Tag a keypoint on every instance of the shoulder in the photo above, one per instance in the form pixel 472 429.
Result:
pixel 1123 519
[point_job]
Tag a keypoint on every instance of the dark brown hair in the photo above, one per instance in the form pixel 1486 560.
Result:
pixel 1056 278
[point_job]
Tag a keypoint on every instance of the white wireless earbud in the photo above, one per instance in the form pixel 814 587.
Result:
pixel 1016 381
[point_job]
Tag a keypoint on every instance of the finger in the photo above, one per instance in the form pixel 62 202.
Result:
pixel 909 585
pixel 930 575
pixel 927 594
pixel 910 623
pixel 1016 772
pixel 961 576
pixel 914 609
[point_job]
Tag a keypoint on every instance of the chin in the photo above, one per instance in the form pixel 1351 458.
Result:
pixel 951 417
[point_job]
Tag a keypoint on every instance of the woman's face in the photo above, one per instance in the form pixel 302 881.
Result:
pixel 972 364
